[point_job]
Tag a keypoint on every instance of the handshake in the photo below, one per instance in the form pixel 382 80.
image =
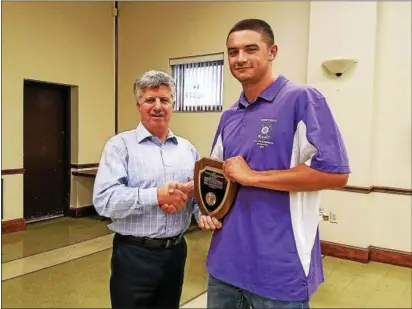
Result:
pixel 172 197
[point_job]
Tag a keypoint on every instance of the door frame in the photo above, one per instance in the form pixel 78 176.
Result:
pixel 67 142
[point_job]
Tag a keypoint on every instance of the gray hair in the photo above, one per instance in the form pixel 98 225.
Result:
pixel 153 79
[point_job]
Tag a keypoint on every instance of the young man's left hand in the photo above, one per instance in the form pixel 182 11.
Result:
pixel 236 169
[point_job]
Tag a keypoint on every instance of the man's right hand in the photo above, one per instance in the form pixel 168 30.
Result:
pixel 171 197
pixel 209 223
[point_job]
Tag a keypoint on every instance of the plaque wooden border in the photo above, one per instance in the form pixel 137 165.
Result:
pixel 208 163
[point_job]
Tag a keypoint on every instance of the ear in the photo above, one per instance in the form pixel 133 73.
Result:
pixel 138 105
pixel 273 51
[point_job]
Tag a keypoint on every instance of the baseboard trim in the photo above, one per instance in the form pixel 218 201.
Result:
pixel 345 252
pixel 84 165
pixel 78 212
pixel 13 171
pixel 86 173
pixel 365 255
pixel 389 256
pixel 378 189
pixel 12 226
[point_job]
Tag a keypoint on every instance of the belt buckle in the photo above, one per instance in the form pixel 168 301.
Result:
pixel 168 243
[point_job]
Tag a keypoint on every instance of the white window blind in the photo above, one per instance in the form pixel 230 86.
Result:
pixel 199 83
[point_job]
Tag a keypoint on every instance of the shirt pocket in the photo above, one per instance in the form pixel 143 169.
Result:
pixel 179 165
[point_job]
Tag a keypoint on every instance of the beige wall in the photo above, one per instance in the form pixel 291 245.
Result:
pixel 197 28
pixel 62 42
pixel 371 103
pixel 351 95
pixel 372 106
pixel 391 162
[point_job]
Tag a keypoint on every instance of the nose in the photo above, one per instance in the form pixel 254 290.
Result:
pixel 241 57
pixel 157 103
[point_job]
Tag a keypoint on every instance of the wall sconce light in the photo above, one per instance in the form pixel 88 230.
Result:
pixel 338 66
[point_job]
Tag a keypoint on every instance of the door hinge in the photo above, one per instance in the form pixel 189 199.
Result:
pixel 115 12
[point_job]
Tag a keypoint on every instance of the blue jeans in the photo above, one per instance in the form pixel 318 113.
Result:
pixel 223 295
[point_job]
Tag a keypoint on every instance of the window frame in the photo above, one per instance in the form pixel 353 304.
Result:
pixel 203 61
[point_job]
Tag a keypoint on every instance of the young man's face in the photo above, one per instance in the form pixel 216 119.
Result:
pixel 249 55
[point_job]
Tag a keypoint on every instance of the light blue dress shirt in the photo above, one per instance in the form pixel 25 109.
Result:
pixel 133 165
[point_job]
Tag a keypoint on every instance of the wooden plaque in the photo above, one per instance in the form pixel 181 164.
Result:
pixel 214 192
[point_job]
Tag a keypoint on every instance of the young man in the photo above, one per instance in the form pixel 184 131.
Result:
pixel 142 186
pixel 280 142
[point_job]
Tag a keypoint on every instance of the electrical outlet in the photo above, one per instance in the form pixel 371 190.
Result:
pixel 321 211
pixel 333 218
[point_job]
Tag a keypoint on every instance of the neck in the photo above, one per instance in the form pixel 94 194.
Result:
pixel 253 90
pixel 160 133
pixel 161 136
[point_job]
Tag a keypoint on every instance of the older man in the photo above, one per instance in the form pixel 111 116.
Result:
pixel 142 185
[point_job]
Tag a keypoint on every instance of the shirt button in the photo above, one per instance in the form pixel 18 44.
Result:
pixel 244 124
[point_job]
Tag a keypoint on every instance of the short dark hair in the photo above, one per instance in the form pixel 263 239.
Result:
pixel 257 25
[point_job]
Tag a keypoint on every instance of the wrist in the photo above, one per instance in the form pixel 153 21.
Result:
pixel 253 179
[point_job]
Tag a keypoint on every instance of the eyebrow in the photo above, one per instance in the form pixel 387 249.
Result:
pixel 154 97
pixel 246 46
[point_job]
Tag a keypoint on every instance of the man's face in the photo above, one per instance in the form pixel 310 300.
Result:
pixel 249 55
pixel 156 108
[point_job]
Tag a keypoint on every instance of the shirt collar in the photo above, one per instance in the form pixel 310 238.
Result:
pixel 268 94
pixel 142 133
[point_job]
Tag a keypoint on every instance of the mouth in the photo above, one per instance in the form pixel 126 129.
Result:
pixel 157 116
pixel 242 68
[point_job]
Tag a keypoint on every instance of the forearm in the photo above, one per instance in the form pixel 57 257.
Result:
pixel 297 179
pixel 120 201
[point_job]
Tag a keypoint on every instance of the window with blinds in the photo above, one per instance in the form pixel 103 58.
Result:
pixel 199 83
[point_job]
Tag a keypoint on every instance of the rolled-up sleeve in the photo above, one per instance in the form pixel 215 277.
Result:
pixel 112 197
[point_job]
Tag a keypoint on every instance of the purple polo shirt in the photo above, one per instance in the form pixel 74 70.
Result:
pixel 269 243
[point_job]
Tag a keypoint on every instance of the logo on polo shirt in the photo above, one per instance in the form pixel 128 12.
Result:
pixel 265 133
pixel 265 130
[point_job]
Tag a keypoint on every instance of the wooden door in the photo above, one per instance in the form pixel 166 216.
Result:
pixel 46 150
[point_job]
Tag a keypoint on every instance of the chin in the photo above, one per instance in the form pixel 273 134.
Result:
pixel 158 126
pixel 158 123
pixel 244 79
